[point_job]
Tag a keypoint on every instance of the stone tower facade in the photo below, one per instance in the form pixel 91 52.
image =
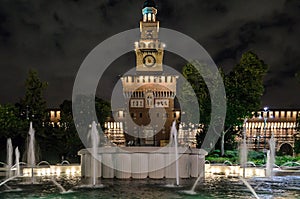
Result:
pixel 150 92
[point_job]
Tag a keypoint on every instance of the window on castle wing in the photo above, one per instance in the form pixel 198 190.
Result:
pixel 141 115
pixel 132 115
pixel 52 114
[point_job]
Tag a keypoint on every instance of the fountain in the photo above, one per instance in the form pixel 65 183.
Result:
pixel 244 151
pixel 227 162
pixel 249 187
pixel 62 190
pixel 95 141
pixel 65 162
pixel 43 162
pixel 9 158
pixel 30 157
pixel 17 162
pixel 192 191
pixel 9 165
pixel 31 151
pixel 95 138
pixel 7 180
pixel 243 160
pixel 174 134
pixel 173 149
pixel 290 166
pixel 141 187
pixel 250 163
pixel 270 158
pixel 31 162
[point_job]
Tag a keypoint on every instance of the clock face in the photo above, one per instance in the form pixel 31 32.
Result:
pixel 149 61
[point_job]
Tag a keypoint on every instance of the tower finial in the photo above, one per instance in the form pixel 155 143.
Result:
pixel 149 11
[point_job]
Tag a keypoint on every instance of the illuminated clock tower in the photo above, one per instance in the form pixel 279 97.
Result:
pixel 149 90
pixel 149 50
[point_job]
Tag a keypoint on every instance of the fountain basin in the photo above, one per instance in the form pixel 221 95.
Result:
pixel 144 162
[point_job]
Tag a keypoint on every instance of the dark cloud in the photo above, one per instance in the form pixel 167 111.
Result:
pixel 55 36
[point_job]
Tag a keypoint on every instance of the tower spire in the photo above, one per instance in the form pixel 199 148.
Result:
pixel 149 11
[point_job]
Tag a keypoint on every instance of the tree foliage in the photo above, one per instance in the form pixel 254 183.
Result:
pixel 11 126
pixel 67 136
pixel 197 82
pixel 10 122
pixel 34 104
pixel 103 110
pixel 244 89
pixel 297 146
pixel 54 141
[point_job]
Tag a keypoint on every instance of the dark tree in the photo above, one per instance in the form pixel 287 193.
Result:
pixel 10 122
pixel 244 89
pixel 200 89
pixel 33 105
pixel 11 126
pixel 68 142
pixel 103 110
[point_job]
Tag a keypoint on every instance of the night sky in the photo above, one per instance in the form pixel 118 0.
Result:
pixel 55 36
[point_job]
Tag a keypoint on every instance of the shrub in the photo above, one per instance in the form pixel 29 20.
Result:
pixel 231 154
pixel 280 160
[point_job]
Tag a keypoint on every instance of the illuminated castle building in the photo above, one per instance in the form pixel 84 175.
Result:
pixel 280 123
pixel 149 88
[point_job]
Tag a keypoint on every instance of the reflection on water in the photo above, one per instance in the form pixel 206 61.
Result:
pixel 217 187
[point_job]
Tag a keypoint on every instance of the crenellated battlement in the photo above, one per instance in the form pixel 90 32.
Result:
pixel 287 115
pixel 160 85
